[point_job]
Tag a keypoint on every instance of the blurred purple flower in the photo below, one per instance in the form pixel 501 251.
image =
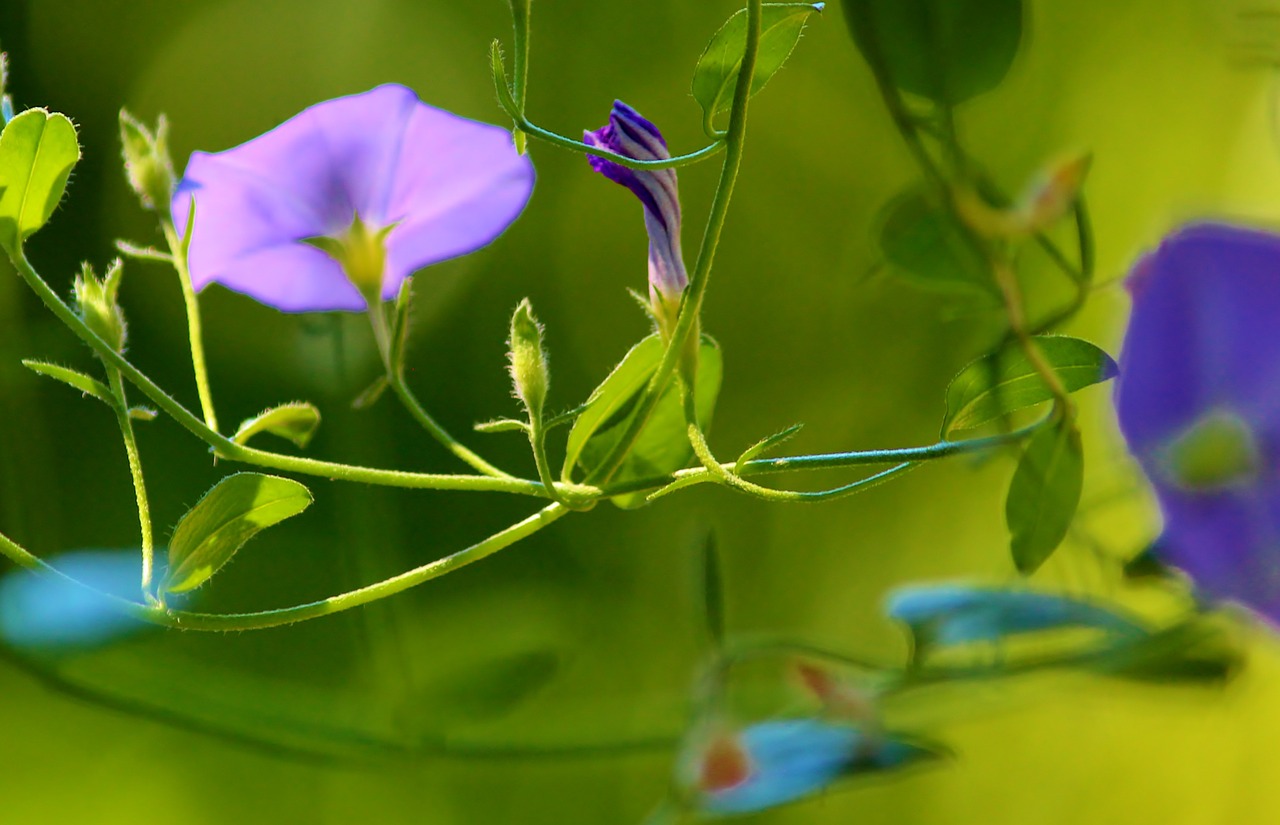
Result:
pixel 630 135
pixel 1199 403
pixel 379 180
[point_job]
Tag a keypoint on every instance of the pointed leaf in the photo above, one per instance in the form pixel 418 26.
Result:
pixel 72 378
pixel 37 153
pixel 925 243
pixel 619 387
pixel 230 514
pixel 663 445
pixel 1002 382
pixel 765 444
pixel 945 50
pixel 370 394
pixel 1043 495
pixel 296 421
pixel 717 71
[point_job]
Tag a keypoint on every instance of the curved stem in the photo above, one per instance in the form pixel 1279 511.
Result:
pixel 516 113
pixel 259 620
pixel 178 249
pixel 691 304
pixel 121 407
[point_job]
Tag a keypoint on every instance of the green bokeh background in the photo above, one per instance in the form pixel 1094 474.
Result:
pixel 1168 94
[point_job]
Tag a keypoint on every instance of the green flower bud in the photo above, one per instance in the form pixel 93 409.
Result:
pixel 146 161
pixel 529 373
pixel 97 303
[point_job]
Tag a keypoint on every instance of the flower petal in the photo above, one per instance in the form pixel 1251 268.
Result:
pixel 449 186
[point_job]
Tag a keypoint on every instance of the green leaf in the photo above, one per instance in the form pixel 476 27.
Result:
pixel 663 445
pixel 717 71
pixel 72 378
pixel 945 50
pixel 1005 381
pixel 923 241
pixel 619 387
pixel 37 153
pixel 296 421
pixel 230 514
pixel 1043 495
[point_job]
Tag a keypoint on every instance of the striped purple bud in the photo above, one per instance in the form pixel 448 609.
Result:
pixel 629 134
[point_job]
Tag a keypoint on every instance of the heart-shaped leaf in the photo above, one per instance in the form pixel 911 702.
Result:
pixel 37 152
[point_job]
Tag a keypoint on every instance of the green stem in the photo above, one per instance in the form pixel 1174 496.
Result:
pixel 691 305
pixel 178 249
pixel 223 622
pixel 520 24
pixel 395 379
pixel 121 407
pixel 439 433
pixel 226 448
pixel 902 458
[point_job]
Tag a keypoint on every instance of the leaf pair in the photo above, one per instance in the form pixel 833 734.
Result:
pixel 1045 490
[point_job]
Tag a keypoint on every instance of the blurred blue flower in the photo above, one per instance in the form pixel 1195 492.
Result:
pixel 1199 404
pixel 957 614
pixel 39 612
pixel 630 135
pixel 790 759
pixel 338 205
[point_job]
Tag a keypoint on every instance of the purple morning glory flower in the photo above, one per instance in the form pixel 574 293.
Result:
pixel 341 203
pixel 1199 403
pixel 629 134
pixel 781 761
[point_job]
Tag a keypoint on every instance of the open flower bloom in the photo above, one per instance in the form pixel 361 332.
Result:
pixel 630 135
pixel 339 204
pixel 774 762
pixel 1199 403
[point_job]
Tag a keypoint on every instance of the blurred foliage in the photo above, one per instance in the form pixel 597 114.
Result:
pixel 590 632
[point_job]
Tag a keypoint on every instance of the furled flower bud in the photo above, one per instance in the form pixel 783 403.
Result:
pixel 97 302
pixel 629 134
pixel 146 161
pixel 529 373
